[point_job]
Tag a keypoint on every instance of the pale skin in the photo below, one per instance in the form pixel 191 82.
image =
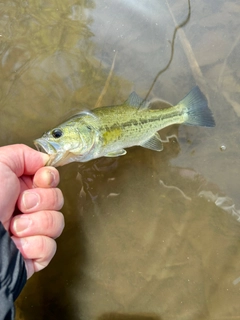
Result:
pixel 30 204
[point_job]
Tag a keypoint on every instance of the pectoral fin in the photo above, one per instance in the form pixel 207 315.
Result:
pixel 116 153
pixel 154 143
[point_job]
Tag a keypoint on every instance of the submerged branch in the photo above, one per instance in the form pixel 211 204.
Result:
pixel 104 90
pixel 182 24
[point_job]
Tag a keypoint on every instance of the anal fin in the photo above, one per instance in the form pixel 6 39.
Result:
pixel 154 143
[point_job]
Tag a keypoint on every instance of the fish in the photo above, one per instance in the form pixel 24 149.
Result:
pixel 107 131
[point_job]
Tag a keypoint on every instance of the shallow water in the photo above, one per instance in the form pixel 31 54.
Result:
pixel 148 235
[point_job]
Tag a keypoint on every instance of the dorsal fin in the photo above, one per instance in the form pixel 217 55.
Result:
pixel 135 101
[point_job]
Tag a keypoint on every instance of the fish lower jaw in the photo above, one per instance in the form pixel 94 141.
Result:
pixel 52 160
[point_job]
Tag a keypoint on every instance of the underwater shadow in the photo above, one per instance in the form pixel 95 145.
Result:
pixel 125 316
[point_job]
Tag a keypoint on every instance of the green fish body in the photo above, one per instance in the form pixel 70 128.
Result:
pixel 107 131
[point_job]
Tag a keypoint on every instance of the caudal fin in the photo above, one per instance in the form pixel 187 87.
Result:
pixel 197 109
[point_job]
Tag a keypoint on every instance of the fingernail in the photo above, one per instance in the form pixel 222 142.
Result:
pixel 30 200
pixel 22 223
pixel 50 177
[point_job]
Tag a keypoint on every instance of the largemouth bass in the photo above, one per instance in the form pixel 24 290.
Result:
pixel 107 131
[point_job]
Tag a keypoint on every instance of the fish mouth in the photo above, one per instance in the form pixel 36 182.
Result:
pixel 44 146
pixel 56 157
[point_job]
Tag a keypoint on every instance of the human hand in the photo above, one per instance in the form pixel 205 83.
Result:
pixel 29 204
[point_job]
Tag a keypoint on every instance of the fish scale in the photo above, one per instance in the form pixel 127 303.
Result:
pixel 141 126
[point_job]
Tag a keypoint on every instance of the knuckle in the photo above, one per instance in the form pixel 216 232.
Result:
pixel 60 224
pixel 46 248
pixel 41 244
pixel 60 199
pixel 56 198
pixel 52 223
pixel 48 220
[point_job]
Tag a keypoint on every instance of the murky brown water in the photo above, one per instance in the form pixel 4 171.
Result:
pixel 148 235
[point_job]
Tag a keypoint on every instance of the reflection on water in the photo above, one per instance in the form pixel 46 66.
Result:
pixel 148 235
pixel 223 202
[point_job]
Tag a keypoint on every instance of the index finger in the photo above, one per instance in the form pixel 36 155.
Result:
pixel 22 159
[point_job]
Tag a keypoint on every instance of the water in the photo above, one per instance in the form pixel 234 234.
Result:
pixel 148 235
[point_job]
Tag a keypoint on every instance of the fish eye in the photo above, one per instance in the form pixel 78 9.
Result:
pixel 57 133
